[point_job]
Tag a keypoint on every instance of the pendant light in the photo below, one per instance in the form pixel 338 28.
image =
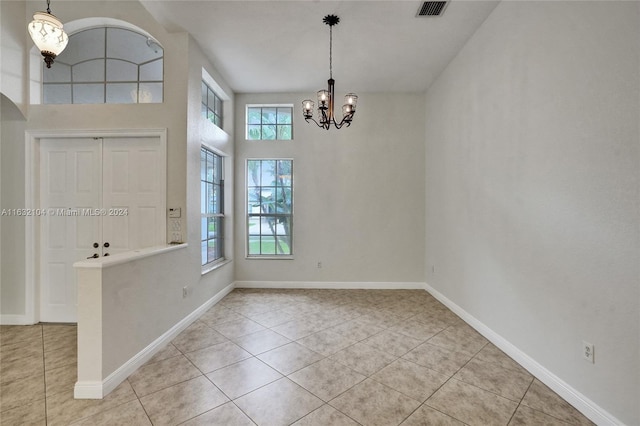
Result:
pixel 48 35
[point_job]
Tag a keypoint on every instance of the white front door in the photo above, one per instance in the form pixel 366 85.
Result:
pixel 70 181
pixel 133 194
pixel 102 197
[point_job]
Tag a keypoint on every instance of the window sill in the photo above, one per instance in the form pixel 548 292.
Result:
pixel 214 265
pixel 269 257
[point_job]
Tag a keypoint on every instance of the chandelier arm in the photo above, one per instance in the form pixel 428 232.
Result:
pixel 316 123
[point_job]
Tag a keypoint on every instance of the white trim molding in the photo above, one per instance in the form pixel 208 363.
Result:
pixel 583 404
pixel 91 389
pixel 344 285
pixel 9 319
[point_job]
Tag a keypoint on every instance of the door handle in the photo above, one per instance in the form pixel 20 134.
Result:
pixel 106 254
pixel 95 256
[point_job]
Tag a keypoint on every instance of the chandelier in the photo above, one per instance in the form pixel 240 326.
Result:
pixel 326 98
pixel 48 35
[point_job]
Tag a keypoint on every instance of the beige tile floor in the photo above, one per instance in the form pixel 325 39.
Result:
pixel 281 357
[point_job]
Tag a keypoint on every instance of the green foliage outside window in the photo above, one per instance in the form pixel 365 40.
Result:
pixel 270 207
pixel 269 123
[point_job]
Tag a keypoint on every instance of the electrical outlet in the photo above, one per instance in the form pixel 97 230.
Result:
pixel 185 291
pixel 587 352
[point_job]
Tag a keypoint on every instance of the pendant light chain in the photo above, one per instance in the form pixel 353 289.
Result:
pixel 49 7
pixel 331 51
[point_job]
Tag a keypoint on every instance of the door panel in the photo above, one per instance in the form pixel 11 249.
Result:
pixel 134 193
pixel 70 180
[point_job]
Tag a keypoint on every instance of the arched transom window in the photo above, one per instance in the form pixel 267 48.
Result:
pixel 106 65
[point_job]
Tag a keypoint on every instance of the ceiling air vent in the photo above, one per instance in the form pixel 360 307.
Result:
pixel 432 8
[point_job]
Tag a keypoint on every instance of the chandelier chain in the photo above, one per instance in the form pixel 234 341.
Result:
pixel 49 7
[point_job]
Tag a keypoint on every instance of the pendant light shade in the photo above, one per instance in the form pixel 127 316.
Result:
pixel 48 35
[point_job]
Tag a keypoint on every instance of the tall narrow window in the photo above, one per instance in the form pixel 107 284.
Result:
pixel 211 105
pixel 269 207
pixel 212 206
pixel 269 122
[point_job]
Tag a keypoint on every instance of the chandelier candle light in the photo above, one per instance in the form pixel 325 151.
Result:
pixel 48 35
pixel 326 97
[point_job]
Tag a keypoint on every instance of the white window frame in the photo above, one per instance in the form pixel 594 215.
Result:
pixel 247 124
pixel 207 266
pixel 249 214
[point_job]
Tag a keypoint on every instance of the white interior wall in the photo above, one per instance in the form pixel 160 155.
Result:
pixel 532 189
pixel 13 52
pixel 358 193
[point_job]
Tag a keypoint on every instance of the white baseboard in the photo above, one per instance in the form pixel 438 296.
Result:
pixel 346 285
pixel 98 390
pixel 14 320
pixel 583 404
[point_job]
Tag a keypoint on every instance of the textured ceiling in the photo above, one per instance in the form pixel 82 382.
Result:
pixel 283 46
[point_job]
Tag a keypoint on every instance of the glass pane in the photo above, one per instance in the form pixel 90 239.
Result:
pixel 284 132
pixel 284 227
pixel 126 44
pixel 283 246
pixel 150 93
pixel 209 166
pixel 121 93
pixel 204 93
pixel 203 164
pixel 284 115
pixel 118 70
pixel 203 229
pixel 88 93
pixel 284 172
pixel 210 199
pixel 254 115
pixel 218 106
pixel 204 252
pixel 283 204
pixel 253 132
pixel 151 71
pixel 269 132
pixel 211 250
pixel 89 71
pixel 57 93
pixel 254 245
pixel 268 245
pixel 203 110
pixel 267 226
pixel 211 99
pixel 254 225
pixel 83 45
pixel 268 115
pixel 268 173
pixel 212 229
pixel 203 197
pixel 253 172
pixel 60 73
